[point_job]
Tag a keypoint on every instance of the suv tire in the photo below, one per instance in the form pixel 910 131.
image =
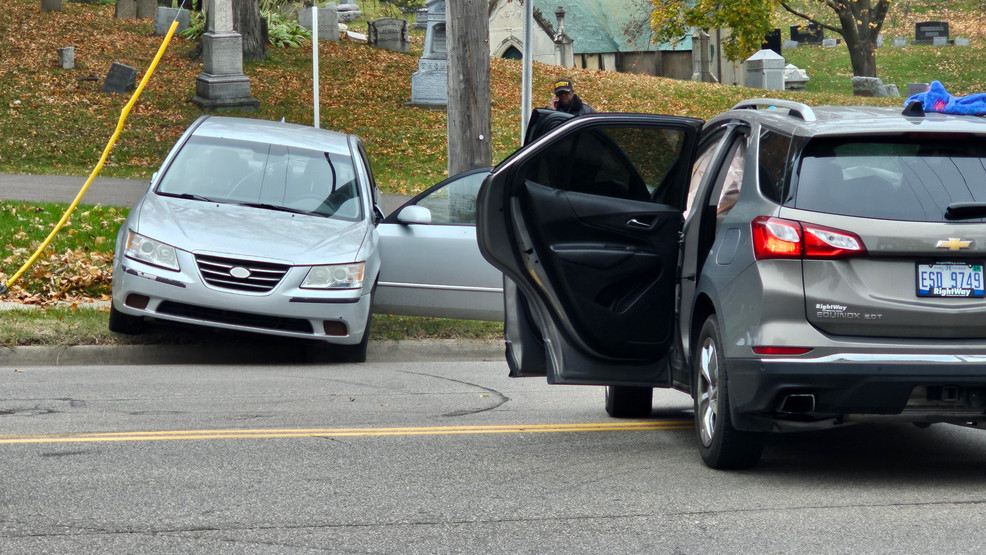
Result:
pixel 629 402
pixel 721 445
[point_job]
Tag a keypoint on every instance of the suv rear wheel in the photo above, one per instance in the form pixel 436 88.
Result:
pixel 720 445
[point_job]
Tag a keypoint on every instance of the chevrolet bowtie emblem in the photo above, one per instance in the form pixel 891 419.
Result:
pixel 953 244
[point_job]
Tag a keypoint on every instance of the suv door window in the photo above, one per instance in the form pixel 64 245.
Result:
pixel 772 163
pixel 617 162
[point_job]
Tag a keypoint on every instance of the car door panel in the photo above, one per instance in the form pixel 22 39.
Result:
pixel 595 265
pixel 606 270
pixel 433 267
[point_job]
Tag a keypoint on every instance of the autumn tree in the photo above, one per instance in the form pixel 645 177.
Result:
pixel 749 21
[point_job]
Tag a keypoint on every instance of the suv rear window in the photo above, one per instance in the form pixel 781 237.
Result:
pixel 898 179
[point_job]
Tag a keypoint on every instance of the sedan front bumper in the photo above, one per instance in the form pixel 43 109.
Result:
pixel 335 316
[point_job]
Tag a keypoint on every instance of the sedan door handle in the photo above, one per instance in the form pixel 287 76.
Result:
pixel 634 222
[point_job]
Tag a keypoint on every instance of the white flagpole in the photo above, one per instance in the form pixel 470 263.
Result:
pixel 315 61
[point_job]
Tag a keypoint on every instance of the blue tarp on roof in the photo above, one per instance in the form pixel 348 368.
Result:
pixel 937 99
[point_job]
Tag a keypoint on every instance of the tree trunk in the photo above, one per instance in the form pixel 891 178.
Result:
pixel 469 112
pixel 252 27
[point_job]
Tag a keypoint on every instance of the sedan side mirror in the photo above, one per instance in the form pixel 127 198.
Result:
pixel 414 214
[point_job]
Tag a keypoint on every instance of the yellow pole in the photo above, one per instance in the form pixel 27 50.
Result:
pixel 99 165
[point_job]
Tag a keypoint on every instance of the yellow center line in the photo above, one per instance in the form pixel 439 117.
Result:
pixel 345 432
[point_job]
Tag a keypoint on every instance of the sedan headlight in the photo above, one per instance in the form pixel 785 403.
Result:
pixel 151 252
pixel 335 276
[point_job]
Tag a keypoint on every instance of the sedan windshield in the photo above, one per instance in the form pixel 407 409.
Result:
pixel 265 176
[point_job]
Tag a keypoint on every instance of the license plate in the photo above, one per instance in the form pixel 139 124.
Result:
pixel 950 279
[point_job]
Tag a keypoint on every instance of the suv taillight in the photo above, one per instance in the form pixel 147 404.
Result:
pixel 779 238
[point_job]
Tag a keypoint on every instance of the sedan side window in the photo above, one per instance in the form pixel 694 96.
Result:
pixel 455 203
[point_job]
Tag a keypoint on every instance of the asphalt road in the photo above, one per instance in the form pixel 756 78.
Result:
pixel 106 191
pixel 442 457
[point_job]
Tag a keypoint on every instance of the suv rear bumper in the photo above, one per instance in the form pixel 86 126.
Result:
pixel 794 394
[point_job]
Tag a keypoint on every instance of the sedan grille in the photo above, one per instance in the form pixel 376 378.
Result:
pixel 240 275
pixel 259 321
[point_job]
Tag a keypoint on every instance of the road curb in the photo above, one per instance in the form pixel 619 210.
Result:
pixel 438 350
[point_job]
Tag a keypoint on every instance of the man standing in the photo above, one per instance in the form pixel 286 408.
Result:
pixel 565 99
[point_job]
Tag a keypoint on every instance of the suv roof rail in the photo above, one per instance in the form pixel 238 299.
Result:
pixel 796 109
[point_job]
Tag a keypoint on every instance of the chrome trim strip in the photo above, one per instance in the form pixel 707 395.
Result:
pixel 877 358
pixel 441 287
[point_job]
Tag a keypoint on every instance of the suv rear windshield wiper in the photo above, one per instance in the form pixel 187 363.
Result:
pixel 187 196
pixel 965 210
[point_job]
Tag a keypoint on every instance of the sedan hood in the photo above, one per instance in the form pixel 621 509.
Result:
pixel 242 231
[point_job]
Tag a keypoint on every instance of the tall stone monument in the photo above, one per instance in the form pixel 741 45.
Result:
pixel 429 85
pixel 222 83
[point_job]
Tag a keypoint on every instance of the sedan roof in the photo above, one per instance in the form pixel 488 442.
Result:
pixel 274 132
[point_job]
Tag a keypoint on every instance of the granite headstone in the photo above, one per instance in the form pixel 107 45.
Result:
pixel 328 21
pixel 389 34
pixel 126 9
pixel 120 79
pixel 926 31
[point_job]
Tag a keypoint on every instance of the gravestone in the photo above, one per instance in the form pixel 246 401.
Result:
pixel 810 33
pixel 328 21
pixel 765 70
pixel 165 16
pixel 146 9
pixel 795 78
pixel 872 86
pixel 66 57
pixel 789 44
pixel 51 5
pixel 939 41
pixel 926 31
pixel 700 58
pixel 222 84
pixel 421 19
pixel 348 11
pixel 429 85
pixel 961 41
pixel 916 88
pixel 120 79
pixel 772 41
pixel 879 41
pixel 830 43
pixel 126 9
pixel 900 42
pixel 388 33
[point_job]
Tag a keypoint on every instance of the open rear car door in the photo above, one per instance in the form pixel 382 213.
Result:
pixel 585 221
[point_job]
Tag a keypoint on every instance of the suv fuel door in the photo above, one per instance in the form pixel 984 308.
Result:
pixel 586 221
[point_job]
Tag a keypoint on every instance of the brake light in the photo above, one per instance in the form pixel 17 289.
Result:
pixel 780 238
pixel 764 350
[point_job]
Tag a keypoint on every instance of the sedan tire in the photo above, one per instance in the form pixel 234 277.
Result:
pixel 721 445
pixel 125 323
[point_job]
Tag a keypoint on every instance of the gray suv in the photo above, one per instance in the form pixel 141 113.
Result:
pixel 792 268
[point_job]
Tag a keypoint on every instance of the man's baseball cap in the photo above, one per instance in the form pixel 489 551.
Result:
pixel 563 84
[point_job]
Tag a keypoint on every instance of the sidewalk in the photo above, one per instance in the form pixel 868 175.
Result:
pixel 439 350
